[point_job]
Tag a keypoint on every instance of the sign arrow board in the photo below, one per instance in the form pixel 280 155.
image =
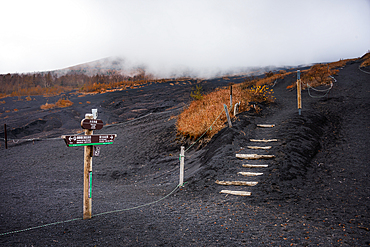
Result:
pixel 92 124
pixel 88 140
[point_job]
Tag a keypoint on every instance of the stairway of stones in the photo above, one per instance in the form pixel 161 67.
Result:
pixel 256 156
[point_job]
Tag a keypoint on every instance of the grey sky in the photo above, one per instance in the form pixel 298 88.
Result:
pixel 205 36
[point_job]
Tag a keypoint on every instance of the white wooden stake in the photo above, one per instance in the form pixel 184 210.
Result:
pixel 182 159
pixel 236 108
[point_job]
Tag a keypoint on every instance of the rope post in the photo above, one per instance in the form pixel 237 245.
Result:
pixel 228 116
pixel 87 195
pixel 5 137
pixel 182 160
pixel 299 89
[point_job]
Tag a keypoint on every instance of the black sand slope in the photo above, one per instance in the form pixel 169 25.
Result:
pixel 315 192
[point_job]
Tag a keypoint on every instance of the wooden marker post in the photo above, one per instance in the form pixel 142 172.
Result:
pixel 299 89
pixel 182 160
pixel 87 196
pixel 90 143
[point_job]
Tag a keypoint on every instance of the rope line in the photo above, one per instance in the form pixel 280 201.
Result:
pixel 140 206
pixel 326 91
pixel 359 67
pixel 317 90
pixel 110 212
pixel 37 227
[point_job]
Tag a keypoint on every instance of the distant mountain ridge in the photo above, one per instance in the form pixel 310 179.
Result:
pixel 119 66
pixel 104 66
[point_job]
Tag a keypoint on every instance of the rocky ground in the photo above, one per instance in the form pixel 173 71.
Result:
pixel 315 192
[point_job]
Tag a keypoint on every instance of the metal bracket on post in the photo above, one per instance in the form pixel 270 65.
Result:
pixel 236 108
pixel 95 113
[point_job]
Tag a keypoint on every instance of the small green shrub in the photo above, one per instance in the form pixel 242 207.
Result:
pixel 197 92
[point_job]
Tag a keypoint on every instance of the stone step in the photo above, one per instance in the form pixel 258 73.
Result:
pixel 254 166
pixel 250 174
pixel 263 140
pixel 242 183
pixel 258 147
pixel 237 193
pixel 255 156
pixel 266 125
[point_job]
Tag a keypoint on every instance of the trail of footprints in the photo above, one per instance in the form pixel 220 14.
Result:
pixel 257 145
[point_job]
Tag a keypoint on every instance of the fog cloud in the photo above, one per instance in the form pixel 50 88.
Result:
pixel 205 37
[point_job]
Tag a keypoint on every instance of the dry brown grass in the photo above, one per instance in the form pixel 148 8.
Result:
pixel 47 106
pixel 61 103
pixel 366 61
pixel 104 87
pixel 202 113
pixel 319 74
pixel 340 63
pixel 50 91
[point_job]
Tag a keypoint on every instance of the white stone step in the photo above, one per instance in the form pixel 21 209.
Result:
pixel 263 140
pixel 242 183
pixel 237 193
pixel 254 166
pixel 266 125
pixel 258 147
pixel 255 156
pixel 250 174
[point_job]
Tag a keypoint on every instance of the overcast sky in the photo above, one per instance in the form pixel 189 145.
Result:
pixel 208 35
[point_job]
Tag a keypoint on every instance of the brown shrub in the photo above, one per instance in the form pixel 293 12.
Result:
pixel 318 74
pixel 366 61
pixel 47 106
pixel 61 103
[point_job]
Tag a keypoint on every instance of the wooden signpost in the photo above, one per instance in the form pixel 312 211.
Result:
pixel 89 142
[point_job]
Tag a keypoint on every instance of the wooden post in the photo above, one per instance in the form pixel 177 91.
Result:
pixel 87 195
pixel 182 159
pixel 299 98
pixel 228 116
pixel 5 137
